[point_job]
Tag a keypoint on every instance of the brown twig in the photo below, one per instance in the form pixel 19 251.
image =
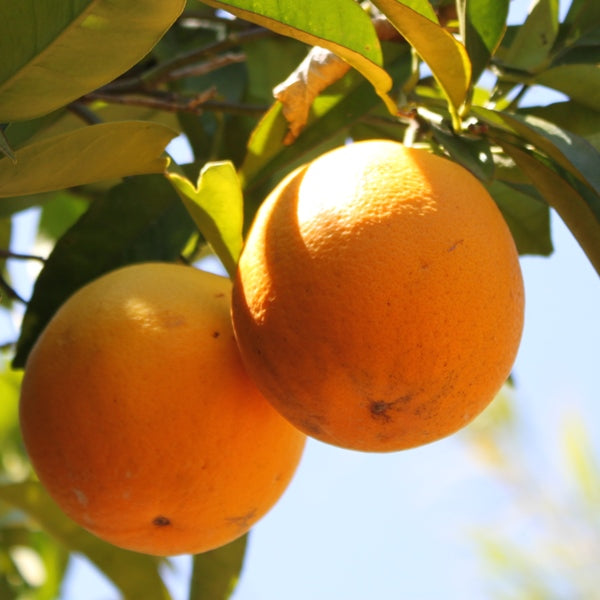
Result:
pixel 197 105
pixel 82 111
pixel 10 291
pixel 197 70
pixel 168 102
pixel 8 254
pixel 161 72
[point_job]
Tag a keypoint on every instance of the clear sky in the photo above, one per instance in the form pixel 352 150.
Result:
pixel 356 526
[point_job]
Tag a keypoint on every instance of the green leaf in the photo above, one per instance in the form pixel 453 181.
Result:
pixel 528 219
pixel 139 220
pixel 341 26
pixel 88 154
pixel 59 212
pixel 572 117
pixel 583 16
pixel 447 58
pixel 473 154
pixel 215 574
pixel 54 52
pixel 217 206
pixel 135 575
pixel 580 82
pixel 578 209
pixel 533 42
pixel 482 26
pixel 570 151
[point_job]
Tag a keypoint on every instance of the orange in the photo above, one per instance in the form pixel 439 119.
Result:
pixel 378 302
pixel 140 420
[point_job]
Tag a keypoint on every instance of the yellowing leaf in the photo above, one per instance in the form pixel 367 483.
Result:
pixel 216 206
pixel 445 56
pixel 53 52
pixel 86 155
pixel 341 26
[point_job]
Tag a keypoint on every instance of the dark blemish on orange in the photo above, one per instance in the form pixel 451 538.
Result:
pixel 243 522
pixel 216 334
pixel 457 243
pixel 219 295
pixel 379 410
pixel 161 521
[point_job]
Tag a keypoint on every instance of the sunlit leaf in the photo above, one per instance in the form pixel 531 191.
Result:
pixel 88 154
pixel 482 26
pixel 140 220
pixel 338 25
pixel 215 574
pixel 534 39
pixel 446 57
pixel 216 205
pixel 54 52
pixel 135 575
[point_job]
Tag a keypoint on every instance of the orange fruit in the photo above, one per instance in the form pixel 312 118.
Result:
pixel 140 420
pixel 378 302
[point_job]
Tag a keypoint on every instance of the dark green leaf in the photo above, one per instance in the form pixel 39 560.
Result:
pixel 576 205
pixel 527 218
pixel 54 52
pixel 140 220
pixel 20 132
pixel 88 154
pixel 59 212
pixel 482 27
pixel 583 16
pixel 570 151
pixel 215 574
pixel 473 154
pixel 135 575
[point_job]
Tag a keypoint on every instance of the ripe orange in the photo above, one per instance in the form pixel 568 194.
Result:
pixel 140 420
pixel 378 302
